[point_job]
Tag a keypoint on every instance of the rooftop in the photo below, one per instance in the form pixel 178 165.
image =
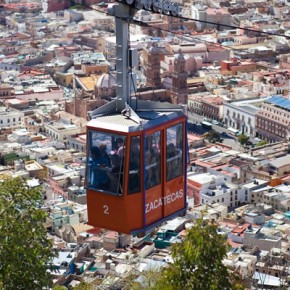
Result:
pixel 279 102
pixel 281 161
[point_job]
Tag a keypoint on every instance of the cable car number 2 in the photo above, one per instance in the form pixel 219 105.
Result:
pixel 106 209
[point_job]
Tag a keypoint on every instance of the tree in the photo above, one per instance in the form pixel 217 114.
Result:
pixel 243 139
pixel 213 136
pixel 25 251
pixel 198 262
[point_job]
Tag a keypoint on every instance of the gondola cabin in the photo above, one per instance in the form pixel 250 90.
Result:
pixel 136 168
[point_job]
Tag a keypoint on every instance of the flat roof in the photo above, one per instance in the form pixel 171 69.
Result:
pixel 202 178
pixel 281 161
pixel 279 102
pixel 121 123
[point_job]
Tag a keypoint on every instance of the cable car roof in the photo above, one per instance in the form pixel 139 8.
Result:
pixel 119 116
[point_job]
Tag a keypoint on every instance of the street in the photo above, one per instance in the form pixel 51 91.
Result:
pixel 194 126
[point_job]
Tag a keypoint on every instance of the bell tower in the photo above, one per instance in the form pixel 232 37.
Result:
pixel 151 65
pixel 179 80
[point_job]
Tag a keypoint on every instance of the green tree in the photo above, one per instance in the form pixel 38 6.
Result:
pixel 198 262
pixel 243 139
pixel 25 251
pixel 213 136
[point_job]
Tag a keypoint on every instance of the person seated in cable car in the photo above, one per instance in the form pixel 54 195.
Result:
pixel 119 145
pixel 134 166
pixel 98 163
pixel 171 161
pixel 116 174
pixel 105 155
pixel 152 163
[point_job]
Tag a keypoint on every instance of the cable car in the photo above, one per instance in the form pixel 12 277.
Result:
pixel 136 156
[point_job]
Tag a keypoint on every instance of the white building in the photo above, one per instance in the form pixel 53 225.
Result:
pixel 20 136
pixel 60 131
pixel 10 117
pixel 214 189
pixel 68 213
pixel 241 115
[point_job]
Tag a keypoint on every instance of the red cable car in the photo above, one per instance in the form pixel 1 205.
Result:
pixel 136 171
pixel 136 157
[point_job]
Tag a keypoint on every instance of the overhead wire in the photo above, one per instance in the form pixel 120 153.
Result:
pixel 231 26
pixel 210 22
pixel 144 24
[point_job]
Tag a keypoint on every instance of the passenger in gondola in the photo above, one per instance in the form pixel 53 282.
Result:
pixel 98 164
pixel 116 174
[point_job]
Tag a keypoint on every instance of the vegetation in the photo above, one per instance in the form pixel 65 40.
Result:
pixel 213 136
pixel 25 251
pixel 261 143
pixel 198 262
pixel 78 7
pixel 243 139
pixel 83 286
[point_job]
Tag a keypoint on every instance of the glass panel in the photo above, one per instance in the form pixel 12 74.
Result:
pixel 152 160
pixel 134 166
pixel 105 160
pixel 174 152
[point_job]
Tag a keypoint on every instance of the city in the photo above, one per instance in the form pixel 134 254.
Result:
pixel 219 72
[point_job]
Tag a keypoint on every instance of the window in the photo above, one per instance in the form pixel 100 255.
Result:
pixel 105 160
pixel 174 152
pixel 134 165
pixel 152 160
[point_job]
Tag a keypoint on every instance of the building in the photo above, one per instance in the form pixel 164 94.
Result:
pixel 35 169
pixel 235 66
pixel 54 5
pixel 211 18
pixel 207 188
pixel 77 194
pixel 241 115
pixel 105 87
pixel 77 142
pixel 151 65
pixel 212 108
pixel 179 80
pixel 90 63
pixel 209 53
pixel 255 237
pixel 275 82
pixel 273 119
pixel 60 131
pixel 10 117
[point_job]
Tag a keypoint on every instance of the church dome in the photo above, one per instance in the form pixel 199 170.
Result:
pixel 106 81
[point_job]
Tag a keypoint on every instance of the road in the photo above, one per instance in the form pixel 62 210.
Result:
pixel 194 126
